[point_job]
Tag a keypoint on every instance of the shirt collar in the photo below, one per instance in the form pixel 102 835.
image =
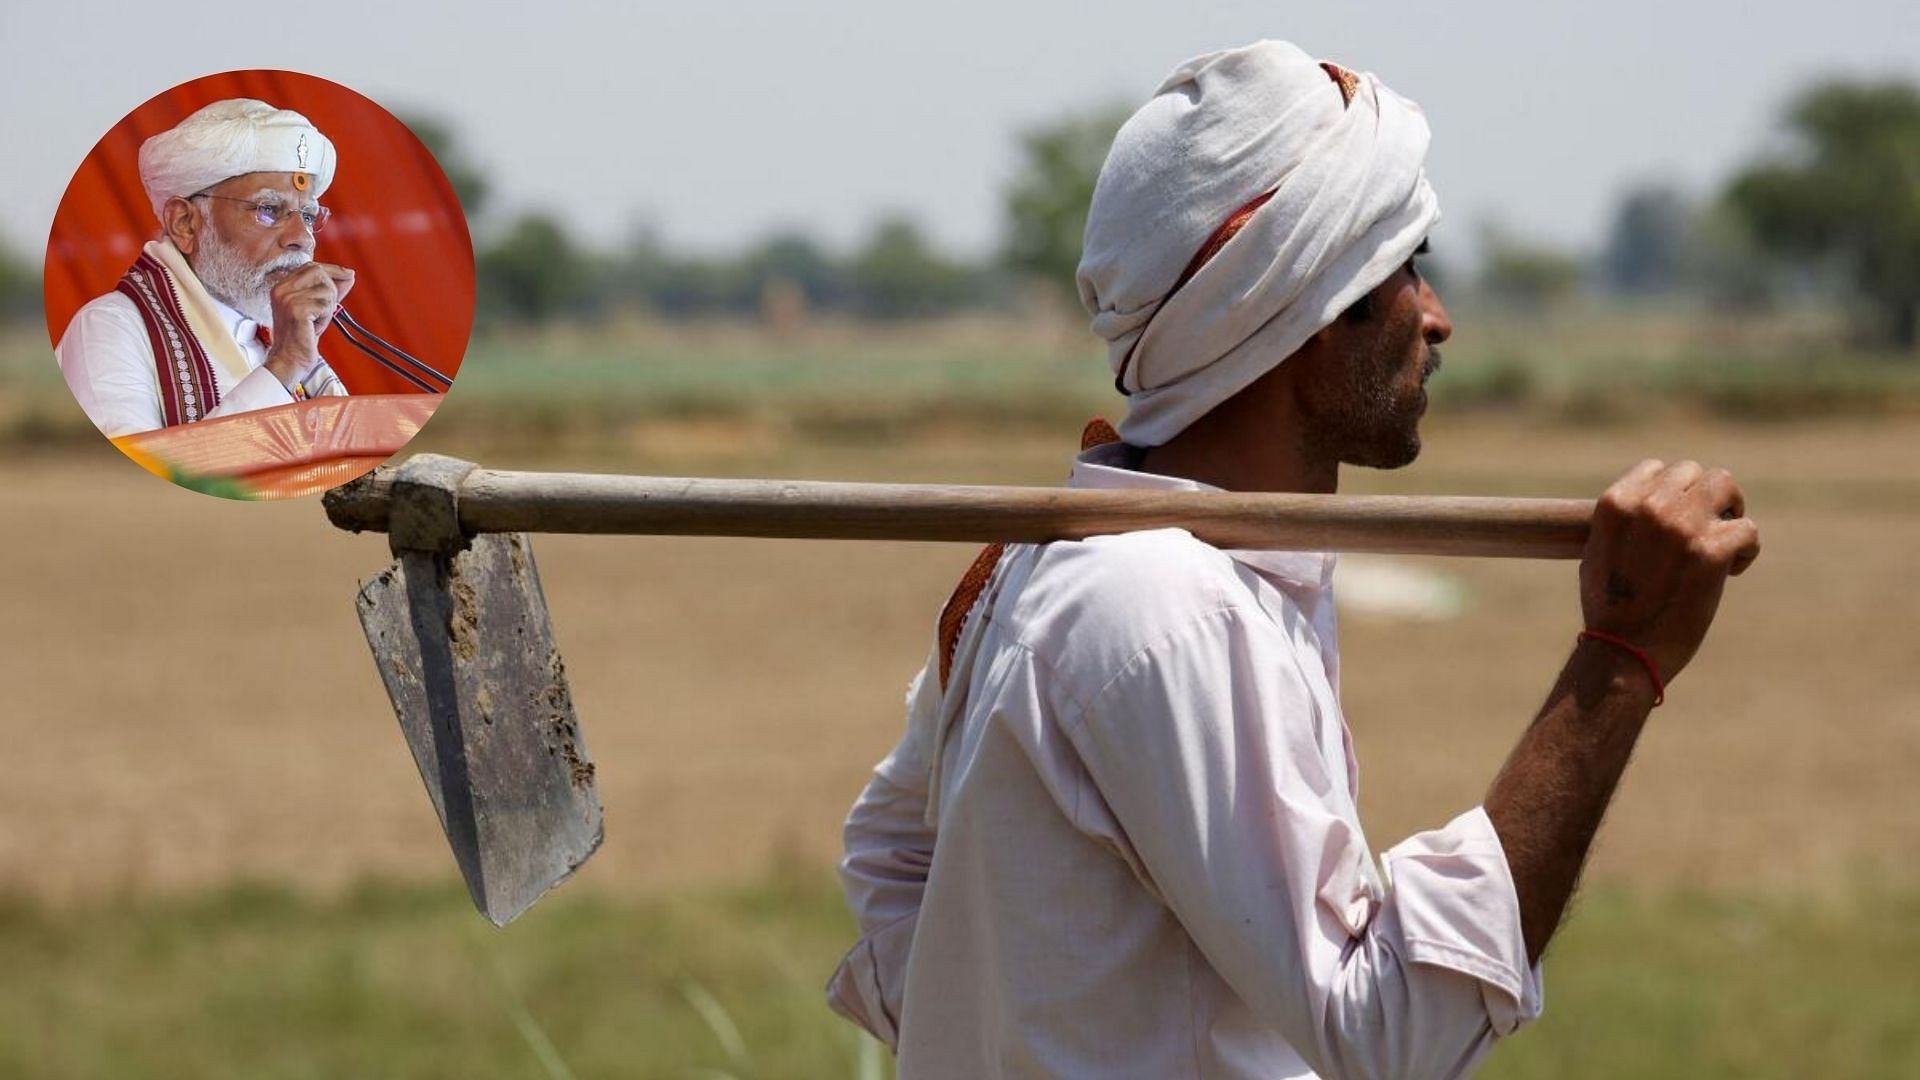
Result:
pixel 1105 468
pixel 241 327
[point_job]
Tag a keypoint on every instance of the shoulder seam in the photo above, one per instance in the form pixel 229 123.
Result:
pixel 1134 658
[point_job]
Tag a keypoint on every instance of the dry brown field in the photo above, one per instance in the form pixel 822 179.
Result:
pixel 188 699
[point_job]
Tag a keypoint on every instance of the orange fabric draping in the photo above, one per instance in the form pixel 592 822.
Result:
pixel 299 481
pixel 396 222
pixel 290 450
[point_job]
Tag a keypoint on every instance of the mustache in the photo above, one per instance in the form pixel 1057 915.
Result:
pixel 1432 365
pixel 283 265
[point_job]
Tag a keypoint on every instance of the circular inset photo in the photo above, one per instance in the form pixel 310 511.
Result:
pixel 259 284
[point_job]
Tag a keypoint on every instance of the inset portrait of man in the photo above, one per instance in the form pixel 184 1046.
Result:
pixel 198 277
pixel 223 312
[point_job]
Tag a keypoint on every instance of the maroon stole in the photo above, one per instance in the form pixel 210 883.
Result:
pixel 187 387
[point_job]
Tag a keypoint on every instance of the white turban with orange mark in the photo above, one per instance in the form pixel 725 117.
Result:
pixel 1343 158
pixel 230 138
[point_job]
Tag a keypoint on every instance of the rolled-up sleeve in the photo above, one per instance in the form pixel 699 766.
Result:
pixel 1458 909
pixel 1206 750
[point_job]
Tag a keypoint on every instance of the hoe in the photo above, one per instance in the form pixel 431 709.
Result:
pixel 460 632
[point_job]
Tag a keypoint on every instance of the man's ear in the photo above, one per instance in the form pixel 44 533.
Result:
pixel 180 223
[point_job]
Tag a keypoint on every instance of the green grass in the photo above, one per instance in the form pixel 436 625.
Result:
pixel 891 366
pixel 1704 986
pixel 577 387
pixel 393 981
pixel 864 386
pixel 574 390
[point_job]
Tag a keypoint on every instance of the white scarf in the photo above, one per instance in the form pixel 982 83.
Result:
pixel 202 314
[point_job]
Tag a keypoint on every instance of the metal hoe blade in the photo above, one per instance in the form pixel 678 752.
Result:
pixel 488 715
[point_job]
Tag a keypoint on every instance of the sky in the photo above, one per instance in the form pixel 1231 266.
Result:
pixel 714 124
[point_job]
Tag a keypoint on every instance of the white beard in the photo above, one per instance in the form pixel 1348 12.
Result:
pixel 233 281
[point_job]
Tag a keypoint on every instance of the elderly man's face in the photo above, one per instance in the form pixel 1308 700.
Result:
pixel 251 234
pixel 1367 391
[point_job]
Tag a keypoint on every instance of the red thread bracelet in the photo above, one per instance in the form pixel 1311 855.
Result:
pixel 1653 670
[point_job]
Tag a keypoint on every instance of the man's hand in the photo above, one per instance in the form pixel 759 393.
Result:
pixel 1664 540
pixel 303 305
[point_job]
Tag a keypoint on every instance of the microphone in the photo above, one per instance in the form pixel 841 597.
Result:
pixel 423 376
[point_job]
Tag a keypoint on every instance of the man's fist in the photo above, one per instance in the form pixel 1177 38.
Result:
pixel 1665 538
pixel 303 305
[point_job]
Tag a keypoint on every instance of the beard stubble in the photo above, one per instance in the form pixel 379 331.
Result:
pixel 241 285
pixel 1369 415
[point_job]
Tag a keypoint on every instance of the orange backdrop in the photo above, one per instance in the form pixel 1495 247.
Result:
pixel 396 222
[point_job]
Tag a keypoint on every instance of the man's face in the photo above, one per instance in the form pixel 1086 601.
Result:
pixel 249 240
pixel 1363 399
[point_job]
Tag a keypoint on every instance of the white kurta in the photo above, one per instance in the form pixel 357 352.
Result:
pixel 107 359
pixel 1145 858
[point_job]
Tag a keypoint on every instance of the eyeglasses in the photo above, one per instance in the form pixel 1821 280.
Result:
pixel 270 215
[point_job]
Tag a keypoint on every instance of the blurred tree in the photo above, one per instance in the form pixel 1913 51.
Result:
pixel 19 286
pixel 1727 265
pixel 633 274
pixel 1048 199
pixel 896 275
pixel 1525 274
pixel 1848 189
pixel 795 258
pixel 679 286
pixel 1648 244
pixel 469 183
pixel 534 272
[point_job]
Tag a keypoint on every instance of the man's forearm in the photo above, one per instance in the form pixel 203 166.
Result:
pixel 1549 798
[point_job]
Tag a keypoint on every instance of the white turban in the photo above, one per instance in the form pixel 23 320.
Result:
pixel 231 138
pixel 1350 204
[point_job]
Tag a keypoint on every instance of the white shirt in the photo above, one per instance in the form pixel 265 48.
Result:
pixel 107 359
pixel 1146 859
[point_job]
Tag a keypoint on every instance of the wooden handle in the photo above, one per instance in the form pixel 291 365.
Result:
pixel 494 501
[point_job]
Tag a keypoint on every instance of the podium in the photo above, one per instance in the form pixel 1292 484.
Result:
pixel 285 452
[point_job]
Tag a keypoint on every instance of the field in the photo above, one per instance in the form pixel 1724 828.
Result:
pixel 218 860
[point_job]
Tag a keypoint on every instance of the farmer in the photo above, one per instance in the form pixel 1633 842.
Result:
pixel 221 314
pixel 1119 837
